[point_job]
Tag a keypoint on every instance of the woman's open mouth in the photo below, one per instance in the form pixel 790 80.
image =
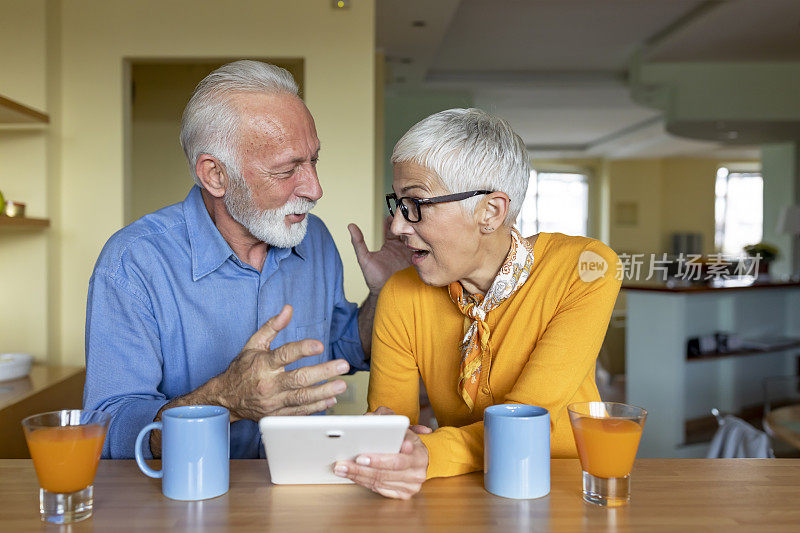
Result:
pixel 418 256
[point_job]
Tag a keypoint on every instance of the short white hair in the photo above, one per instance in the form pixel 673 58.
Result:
pixel 470 150
pixel 210 120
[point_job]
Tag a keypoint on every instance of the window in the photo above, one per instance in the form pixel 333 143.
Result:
pixel 738 210
pixel 555 202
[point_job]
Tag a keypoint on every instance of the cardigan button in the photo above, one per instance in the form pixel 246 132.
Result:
pixel 485 390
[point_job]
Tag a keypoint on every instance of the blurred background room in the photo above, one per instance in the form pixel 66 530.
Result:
pixel 668 129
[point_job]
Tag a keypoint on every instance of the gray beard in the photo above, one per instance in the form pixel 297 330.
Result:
pixel 268 226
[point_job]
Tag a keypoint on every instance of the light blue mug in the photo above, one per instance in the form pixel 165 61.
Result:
pixel 195 452
pixel 516 451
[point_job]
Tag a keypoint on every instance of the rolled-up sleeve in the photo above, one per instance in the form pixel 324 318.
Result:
pixel 123 362
pixel 345 337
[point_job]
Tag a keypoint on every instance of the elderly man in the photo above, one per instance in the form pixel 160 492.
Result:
pixel 234 296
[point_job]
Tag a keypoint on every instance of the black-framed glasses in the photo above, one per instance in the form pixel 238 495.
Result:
pixel 410 207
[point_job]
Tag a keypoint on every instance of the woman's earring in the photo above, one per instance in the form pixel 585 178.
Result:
pixel 487 228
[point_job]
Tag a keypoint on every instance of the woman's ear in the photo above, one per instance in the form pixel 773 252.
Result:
pixel 212 175
pixel 493 211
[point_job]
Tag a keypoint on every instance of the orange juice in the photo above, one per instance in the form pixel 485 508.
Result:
pixel 607 446
pixel 66 457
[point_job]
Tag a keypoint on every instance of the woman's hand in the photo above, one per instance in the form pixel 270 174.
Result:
pixel 419 429
pixel 394 475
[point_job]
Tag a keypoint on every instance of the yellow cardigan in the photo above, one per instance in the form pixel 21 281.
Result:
pixel 544 342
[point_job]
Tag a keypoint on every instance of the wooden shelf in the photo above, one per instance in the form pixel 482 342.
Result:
pixel 23 222
pixel 12 112
pixel 747 351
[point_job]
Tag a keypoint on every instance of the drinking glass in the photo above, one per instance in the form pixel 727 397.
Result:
pixel 65 447
pixel 607 436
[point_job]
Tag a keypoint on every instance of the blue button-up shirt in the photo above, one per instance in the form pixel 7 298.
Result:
pixel 170 305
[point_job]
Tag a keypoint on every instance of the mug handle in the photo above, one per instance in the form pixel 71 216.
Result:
pixel 138 450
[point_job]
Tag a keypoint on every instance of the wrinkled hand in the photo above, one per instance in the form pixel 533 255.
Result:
pixel 394 475
pixel 379 266
pixel 256 384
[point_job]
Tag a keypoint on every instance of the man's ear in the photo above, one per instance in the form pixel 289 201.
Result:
pixel 212 175
pixel 492 211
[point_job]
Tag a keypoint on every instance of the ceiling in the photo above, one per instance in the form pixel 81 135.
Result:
pixel 557 69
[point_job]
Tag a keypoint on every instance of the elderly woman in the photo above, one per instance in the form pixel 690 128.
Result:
pixel 486 316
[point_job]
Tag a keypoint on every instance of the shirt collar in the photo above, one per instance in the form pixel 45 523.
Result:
pixel 300 250
pixel 209 248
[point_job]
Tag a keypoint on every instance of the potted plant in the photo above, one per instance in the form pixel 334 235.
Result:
pixel 764 253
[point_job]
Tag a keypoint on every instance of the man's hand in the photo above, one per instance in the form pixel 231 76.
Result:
pixel 379 266
pixel 256 385
pixel 394 475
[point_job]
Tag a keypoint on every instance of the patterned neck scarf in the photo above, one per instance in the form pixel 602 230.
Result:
pixel 513 273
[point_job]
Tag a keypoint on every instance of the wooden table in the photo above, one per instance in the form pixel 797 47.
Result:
pixel 667 495
pixel 785 423
pixel 46 388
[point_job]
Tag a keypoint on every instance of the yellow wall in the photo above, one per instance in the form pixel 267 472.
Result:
pixel 636 181
pixel 23 178
pixel 23 253
pixel 97 36
pixel 54 184
pixel 380 139
pixel 22 61
pixel 687 199
pixel 672 195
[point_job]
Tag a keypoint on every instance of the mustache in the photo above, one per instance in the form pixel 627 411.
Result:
pixel 296 206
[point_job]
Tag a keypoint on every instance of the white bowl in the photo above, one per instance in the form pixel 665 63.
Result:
pixel 14 365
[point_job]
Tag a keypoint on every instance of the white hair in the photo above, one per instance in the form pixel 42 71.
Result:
pixel 470 150
pixel 210 120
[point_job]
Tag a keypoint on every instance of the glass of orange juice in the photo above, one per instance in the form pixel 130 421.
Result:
pixel 607 436
pixel 65 447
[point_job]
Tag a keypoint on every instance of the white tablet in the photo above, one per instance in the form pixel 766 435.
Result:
pixel 303 449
